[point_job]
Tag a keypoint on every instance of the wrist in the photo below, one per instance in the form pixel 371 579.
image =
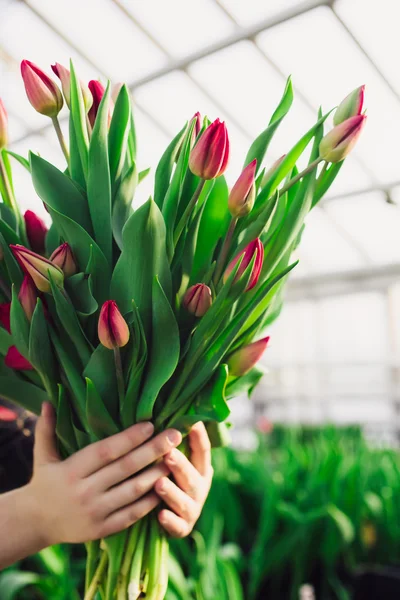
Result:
pixel 30 505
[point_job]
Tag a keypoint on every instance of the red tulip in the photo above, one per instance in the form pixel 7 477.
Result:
pixel 36 231
pixel 209 157
pixel 198 299
pixel 242 196
pixel 5 316
pixel 3 125
pixel 97 89
pixel 6 414
pixel 255 248
pixel 197 127
pixel 112 329
pixel 38 268
pixel 339 142
pixel 15 360
pixel 63 258
pixel 64 76
pixel 244 359
pixel 42 92
pixel 351 106
pixel 28 296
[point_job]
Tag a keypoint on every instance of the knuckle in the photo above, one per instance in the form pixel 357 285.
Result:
pixel 133 516
pixel 128 463
pixel 104 452
pixel 137 488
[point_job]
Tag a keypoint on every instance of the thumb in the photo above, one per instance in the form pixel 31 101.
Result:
pixel 45 450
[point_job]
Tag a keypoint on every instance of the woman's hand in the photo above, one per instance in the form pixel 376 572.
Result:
pixel 186 497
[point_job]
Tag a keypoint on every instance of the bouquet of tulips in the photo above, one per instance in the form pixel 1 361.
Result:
pixel 118 315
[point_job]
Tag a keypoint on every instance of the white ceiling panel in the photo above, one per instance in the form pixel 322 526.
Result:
pixel 251 12
pixel 102 32
pixel 326 65
pixel 181 27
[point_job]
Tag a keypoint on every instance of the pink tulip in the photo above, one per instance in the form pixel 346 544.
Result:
pixel 97 90
pixel 112 329
pixel 28 296
pixel 198 299
pixel 42 92
pixel 242 196
pixel 209 157
pixel 64 76
pixel 244 359
pixel 63 258
pixel 197 126
pixel 36 231
pixel 38 268
pixel 3 125
pixel 5 309
pixel 339 142
pixel 15 360
pixel 351 106
pixel 254 248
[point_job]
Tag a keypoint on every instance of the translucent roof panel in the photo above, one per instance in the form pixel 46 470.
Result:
pixel 384 45
pixel 102 32
pixel 326 65
pixel 372 223
pixel 179 27
pixel 251 12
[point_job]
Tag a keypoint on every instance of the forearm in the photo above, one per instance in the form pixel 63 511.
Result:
pixel 20 529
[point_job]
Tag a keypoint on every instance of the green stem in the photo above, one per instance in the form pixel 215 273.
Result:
pixel 188 211
pixel 91 592
pixel 120 376
pixel 11 201
pixel 307 170
pixel 92 550
pixel 127 562
pixel 61 138
pixel 223 255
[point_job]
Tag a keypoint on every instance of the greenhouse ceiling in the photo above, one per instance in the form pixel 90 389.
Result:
pixel 230 58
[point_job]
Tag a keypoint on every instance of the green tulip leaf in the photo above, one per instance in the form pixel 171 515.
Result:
pixel 122 207
pixel 22 161
pixel 27 395
pixel 13 269
pixel 143 235
pixel 78 116
pixel 75 164
pixel 98 180
pixel 14 581
pixel 245 384
pixel 164 351
pixel 99 419
pixel 325 181
pixel 64 427
pixel 79 289
pixel 6 341
pixel 118 134
pixel 9 219
pixel 52 240
pixel 41 353
pixel 59 192
pixel 143 174
pixel 20 325
pixel 164 168
pixel 101 371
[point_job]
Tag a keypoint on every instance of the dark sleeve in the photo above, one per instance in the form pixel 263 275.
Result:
pixel 16 446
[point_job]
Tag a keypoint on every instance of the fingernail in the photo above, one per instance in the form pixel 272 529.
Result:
pixel 147 428
pixel 161 487
pixel 174 437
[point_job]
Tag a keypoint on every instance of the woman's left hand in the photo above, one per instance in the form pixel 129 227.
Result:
pixel 187 495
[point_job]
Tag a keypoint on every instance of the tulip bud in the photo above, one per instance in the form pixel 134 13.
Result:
pixel 113 330
pixel 209 157
pixel 242 196
pixel 63 258
pixel 97 89
pixel 15 360
pixel 36 231
pixel 244 359
pixel 255 248
pixel 338 143
pixel 3 125
pixel 197 127
pixel 351 106
pixel 272 169
pixel 38 268
pixel 5 309
pixel 65 77
pixel 198 299
pixel 6 414
pixel 28 297
pixel 42 92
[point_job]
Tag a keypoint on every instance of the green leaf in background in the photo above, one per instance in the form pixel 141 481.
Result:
pixel 78 116
pixel 98 180
pixel 101 371
pixel 79 289
pixel 13 268
pixel 99 419
pixel 64 428
pixel 8 218
pixel 27 395
pixel 41 353
pixel 122 207
pixel 6 341
pixel 165 166
pixel 143 174
pixel 246 383
pixel 164 351
pixel 118 134
pixel 13 582
pixel 20 325
pixel 214 222
pixel 260 145
pixel 143 235
pixel 59 192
